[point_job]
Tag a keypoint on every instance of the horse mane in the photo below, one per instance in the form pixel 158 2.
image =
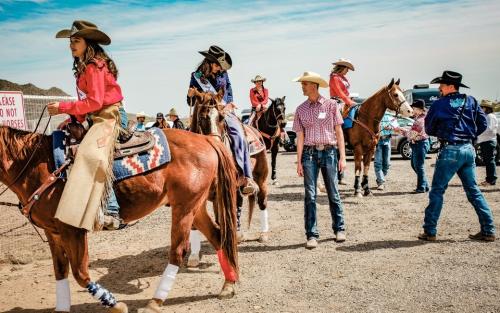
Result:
pixel 372 97
pixel 18 144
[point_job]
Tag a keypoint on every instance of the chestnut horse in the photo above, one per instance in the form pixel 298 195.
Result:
pixel 200 169
pixel 364 134
pixel 208 119
pixel 270 125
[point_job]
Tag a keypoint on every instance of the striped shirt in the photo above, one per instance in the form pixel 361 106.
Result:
pixel 317 121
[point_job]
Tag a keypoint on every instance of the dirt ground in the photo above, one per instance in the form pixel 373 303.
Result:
pixel 382 267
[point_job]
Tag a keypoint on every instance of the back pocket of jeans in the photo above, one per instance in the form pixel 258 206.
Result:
pixel 448 155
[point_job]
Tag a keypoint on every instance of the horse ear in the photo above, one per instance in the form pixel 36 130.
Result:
pixel 283 99
pixel 397 81
pixel 272 100
pixel 391 83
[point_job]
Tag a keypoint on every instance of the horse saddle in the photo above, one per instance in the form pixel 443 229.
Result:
pixel 255 141
pixel 130 142
pixel 351 116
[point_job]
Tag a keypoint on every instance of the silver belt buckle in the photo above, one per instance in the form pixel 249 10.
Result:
pixel 320 147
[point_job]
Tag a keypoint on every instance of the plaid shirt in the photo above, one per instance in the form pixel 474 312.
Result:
pixel 317 121
pixel 417 130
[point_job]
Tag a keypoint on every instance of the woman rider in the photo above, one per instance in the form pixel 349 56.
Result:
pixel 339 85
pixel 259 96
pixel 210 76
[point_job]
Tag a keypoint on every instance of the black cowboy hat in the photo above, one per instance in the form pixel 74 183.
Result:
pixel 418 103
pixel 159 115
pixel 217 54
pixel 449 78
pixel 85 30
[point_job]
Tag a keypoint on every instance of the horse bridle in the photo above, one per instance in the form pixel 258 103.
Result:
pixel 277 116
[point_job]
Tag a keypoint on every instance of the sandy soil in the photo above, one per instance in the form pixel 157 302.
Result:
pixel 382 267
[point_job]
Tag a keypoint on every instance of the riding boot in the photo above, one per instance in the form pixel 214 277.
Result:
pixel 112 222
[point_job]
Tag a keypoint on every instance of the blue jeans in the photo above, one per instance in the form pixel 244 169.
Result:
pixel 419 150
pixel 488 153
pixel 382 160
pixel 312 162
pixel 458 159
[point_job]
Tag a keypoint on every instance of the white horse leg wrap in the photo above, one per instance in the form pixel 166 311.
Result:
pixel 195 242
pixel 264 221
pixel 166 282
pixel 63 295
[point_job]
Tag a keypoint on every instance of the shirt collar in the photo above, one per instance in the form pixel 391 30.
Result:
pixel 321 100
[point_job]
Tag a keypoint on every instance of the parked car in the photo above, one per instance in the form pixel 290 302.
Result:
pixel 290 142
pixel 424 92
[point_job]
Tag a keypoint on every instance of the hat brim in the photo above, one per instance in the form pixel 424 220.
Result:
pixel 92 34
pixel 258 80
pixel 317 80
pixel 346 64
pixel 226 65
pixel 439 80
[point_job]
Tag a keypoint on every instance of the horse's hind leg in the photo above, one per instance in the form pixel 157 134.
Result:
pixel 76 249
pixel 210 229
pixel 182 220
pixel 262 199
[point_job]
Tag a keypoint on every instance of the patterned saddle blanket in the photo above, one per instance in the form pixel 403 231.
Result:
pixel 255 141
pixel 124 166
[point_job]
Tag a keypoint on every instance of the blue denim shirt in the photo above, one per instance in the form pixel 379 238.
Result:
pixel 220 81
pixel 444 119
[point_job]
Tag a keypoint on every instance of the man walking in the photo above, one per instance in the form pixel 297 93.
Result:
pixel 456 119
pixel 318 124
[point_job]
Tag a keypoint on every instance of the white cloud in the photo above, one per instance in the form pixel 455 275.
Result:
pixel 156 47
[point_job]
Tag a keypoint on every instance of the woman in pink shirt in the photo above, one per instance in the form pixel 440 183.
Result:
pixel 339 85
pixel 99 99
pixel 259 96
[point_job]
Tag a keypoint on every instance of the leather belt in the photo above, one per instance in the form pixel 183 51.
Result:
pixel 319 147
pixel 456 143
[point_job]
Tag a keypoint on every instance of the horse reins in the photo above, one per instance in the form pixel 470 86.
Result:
pixel 7 187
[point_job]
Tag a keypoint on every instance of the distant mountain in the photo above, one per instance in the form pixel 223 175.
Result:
pixel 30 89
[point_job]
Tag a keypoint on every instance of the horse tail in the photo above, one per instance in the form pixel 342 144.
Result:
pixel 225 203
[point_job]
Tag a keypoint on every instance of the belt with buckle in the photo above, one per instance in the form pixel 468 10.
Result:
pixel 319 147
pixel 457 143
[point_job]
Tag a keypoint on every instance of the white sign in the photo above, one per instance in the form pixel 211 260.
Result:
pixel 12 109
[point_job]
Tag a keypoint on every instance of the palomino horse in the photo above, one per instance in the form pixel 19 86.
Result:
pixel 364 134
pixel 270 125
pixel 200 170
pixel 208 119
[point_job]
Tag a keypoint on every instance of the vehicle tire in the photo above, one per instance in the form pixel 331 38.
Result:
pixel 405 149
pixel 289 147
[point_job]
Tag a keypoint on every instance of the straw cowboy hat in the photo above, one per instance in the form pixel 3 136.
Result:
pixel 140 114
pixel 173 112
pixel 344 62
pixel 85 30
pixel 312 77
pixel 258 78
pixel 487 104
pixel 449 78
pixel 217 54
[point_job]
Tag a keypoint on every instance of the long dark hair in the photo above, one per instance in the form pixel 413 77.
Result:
pixel 94 51
pixel 205 68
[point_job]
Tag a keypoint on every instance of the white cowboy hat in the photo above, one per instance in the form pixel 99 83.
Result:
pixel 345 62
pixel 258 78
pixel 140 114
pixel 173 112
pixel 312 77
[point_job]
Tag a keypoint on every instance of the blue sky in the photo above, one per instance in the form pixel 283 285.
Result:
pixel 155 44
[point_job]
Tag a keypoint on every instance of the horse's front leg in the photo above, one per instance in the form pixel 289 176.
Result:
pixel 358 154
pixel 76 249
pixel 274 154
pixel 366 166
pixel 61 270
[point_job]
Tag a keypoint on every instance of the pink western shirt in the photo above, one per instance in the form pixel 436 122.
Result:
pixel 317 121
pixel 417 130
pixel 96 87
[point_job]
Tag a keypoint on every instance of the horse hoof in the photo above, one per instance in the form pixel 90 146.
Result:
pixel 152 307
pixel 275 182
pixel 264 237
pixel 227 291
pixel 193 260
pixel 358 194
pixel 240 236
pixel 368 193
pixel 119 307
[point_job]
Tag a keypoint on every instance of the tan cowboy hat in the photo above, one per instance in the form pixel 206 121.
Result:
pixel 85 30
pixel 217 54
pixel 140 114
pixel 487 104
pixel 173 112
pixel 312 77
pixel 345 62
pixel 258 78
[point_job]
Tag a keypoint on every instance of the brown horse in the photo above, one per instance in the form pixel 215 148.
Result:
pixel 208 119
pixel 200 170
pixel 364 134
